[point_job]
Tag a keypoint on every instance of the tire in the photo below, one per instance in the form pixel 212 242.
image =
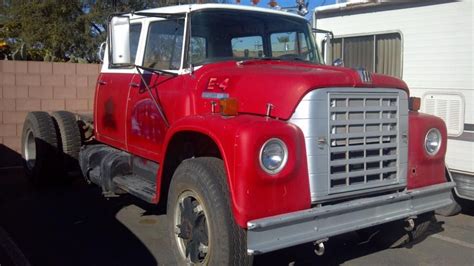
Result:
pixel 450 210
pixel 201 224
pixel 69 139
pixel 393 235
pixel 39 147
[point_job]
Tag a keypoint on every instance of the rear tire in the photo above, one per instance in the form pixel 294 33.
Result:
pixel 201 224
pixel 39 147
pixel 69 139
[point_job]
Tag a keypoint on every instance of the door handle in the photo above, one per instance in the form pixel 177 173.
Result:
pixel 102 82
pixel 134 85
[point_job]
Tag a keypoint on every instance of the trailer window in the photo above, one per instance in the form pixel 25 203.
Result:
pixel 380 53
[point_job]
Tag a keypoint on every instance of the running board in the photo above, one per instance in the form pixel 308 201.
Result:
pixel 138 186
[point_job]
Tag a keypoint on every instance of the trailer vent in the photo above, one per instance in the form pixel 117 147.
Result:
pixel 450 107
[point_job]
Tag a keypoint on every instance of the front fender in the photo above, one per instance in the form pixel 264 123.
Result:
pixel 424 169
pixel 254 193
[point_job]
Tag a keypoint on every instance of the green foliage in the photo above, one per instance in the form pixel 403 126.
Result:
pixel 56 30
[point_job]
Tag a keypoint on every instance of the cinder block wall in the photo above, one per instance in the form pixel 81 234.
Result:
pixel 32 86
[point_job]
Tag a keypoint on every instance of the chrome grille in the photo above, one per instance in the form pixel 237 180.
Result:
pixel 356 140
pixel 362 140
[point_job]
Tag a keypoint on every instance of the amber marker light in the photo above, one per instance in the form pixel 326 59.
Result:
pixel 414 104
pixel 229 106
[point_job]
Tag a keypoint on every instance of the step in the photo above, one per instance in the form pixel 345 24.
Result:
pixel 136 185
pixel 144 168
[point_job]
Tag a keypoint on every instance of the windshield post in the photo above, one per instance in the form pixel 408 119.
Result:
pixel 187 58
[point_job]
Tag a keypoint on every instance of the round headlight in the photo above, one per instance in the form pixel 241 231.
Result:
pixel 273 156
pixel 433 141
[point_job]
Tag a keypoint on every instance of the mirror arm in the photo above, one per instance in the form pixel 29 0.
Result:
pixel 323 31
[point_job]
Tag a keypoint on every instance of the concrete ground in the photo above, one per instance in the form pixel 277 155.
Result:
pixel 75 225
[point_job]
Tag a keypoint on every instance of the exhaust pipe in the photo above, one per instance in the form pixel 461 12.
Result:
pixel 319 247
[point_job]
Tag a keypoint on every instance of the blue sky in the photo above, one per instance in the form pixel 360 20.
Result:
pixel 286 3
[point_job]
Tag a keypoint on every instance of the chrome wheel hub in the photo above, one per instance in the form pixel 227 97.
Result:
pixel 192 229
pixel 30 149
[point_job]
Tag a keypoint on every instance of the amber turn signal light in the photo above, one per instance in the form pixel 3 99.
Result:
pixel 414 104
pixel 229 106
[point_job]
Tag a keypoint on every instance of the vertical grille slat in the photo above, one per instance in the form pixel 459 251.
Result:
pixel 369 123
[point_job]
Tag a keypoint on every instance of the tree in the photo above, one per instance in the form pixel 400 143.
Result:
pixel 56 30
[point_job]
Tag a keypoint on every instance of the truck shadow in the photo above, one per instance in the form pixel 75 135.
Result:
pixel 339 250
pixel 63 225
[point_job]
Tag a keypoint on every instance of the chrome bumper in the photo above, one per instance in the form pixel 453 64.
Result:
pixel 286 230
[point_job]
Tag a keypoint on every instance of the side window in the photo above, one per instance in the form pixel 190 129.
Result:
pixel 135 30
pixel 164 44
pixel 250 46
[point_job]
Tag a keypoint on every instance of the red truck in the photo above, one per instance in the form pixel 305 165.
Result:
pixel 227 115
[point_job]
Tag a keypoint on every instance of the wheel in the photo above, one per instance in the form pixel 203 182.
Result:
pixel 69 139
pixel 450 210
pixel 394 235
pixel 201 225
pixel 39 147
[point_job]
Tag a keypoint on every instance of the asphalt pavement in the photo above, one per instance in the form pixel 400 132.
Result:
pixel 75 225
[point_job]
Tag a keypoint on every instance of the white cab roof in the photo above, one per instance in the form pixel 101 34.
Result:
pixel 193 7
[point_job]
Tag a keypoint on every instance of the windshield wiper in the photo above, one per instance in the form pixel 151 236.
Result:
pixel 293 58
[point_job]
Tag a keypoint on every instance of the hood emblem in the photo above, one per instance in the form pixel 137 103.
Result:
pixel 364 75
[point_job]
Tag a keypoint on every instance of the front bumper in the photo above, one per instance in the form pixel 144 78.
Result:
pixel 286 230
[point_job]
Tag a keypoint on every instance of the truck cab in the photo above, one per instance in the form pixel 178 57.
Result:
pixel 227 115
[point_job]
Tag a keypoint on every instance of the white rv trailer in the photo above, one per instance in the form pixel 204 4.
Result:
pixel 427 43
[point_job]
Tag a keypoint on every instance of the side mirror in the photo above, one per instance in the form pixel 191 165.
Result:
pixel 119 40
pixel 328 36
pixel 101 52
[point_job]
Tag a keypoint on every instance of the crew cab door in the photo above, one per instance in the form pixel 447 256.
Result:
pixel 146 127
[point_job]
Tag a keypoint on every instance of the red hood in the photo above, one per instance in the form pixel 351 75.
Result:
pixel 283 84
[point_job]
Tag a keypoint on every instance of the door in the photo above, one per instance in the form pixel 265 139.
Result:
pixel 146 126
pixel 112 97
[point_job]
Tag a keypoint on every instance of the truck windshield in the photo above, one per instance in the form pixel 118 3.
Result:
pixel 218 35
